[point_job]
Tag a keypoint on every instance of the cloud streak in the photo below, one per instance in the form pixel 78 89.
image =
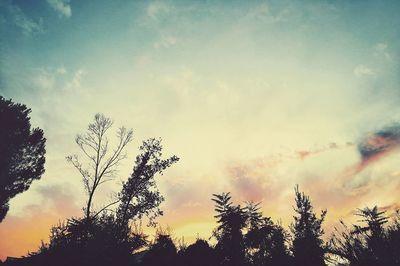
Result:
pixel 27 25
pixel 363 70
pixel 303 154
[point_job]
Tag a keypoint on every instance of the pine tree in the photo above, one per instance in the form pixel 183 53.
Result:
pixel 307 246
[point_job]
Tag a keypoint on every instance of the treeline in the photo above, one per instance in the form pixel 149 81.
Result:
pixel 243 237
pixel 111 235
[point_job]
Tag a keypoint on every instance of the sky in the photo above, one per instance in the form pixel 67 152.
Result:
pixel 253 96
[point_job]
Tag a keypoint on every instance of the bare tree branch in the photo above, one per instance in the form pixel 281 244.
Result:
pixel 94 145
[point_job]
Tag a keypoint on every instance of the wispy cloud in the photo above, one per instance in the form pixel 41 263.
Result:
pixel 48 78
pixel 381 50
pixel 76 80
pixel 303 154
pixel 155 10
pixel 63 7
pixel 22 21
pixel 363 70
pixel 263 13
pixel 260 178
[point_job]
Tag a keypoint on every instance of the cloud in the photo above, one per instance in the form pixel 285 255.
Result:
pixel 155 10
pixel 381 50
pixel 380 143
pixel 262 13
pixel 63 7
pixel 374 147
pixel 362 70
pixel 249 181
pixel 254 179
pixel 50 78
pixel 28 25
pixel 60 198
pixel 303 154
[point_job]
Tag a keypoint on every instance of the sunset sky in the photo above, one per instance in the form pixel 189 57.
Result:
pixel 253 96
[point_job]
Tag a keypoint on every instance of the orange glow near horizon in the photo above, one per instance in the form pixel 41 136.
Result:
pixel 195 219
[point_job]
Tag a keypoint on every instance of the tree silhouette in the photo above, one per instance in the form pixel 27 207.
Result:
pixel 374 231
pixel 393 239
pixel 279 252
pixel 257 238
pixel 231 221
pixel 198 254
pixel 139 195
pixel 371 243
pixel 106 236
pixel 265 241
pixel 96 241
pixel 100 162
pixel 161 252
pixel 22 151
pixel 307 246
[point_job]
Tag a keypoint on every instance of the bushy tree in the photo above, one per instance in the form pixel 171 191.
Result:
pixel 257 237
pixel 96 241
pixel 139 195
pixel 279 252
pixel 231 221
pixel 371 243
pixel 162 251
pixel 199 253
pixel 22 151
pixel 393 238
pixel 265 241
pixel 246 237
pixel 308 246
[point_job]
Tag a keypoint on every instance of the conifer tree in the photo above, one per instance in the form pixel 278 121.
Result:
pixel 307 247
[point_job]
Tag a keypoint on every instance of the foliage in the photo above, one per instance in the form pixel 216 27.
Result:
pixel 307 246
pixel 161 252
pixel 370 243
pixel 106 237
pixel 22 151
pixel 246 237
pixel 94 241
pixel 231 221
pixel 139 195
pixel 265 241
pixel 199 253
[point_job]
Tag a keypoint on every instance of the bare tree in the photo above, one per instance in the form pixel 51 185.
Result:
pixel 101 163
